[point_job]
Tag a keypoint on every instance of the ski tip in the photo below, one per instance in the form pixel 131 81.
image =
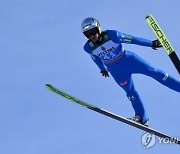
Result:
pixel 48 86
pixel 149 15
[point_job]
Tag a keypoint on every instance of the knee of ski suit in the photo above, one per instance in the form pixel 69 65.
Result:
pixel 132 94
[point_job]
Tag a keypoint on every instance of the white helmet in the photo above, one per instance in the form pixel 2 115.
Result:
pixel 90 23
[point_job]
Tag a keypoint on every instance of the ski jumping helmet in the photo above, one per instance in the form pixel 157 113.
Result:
pixel 90 24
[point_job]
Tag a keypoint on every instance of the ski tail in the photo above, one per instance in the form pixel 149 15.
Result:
pixel 151 21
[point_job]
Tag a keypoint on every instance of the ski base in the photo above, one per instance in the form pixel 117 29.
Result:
pixel 111 115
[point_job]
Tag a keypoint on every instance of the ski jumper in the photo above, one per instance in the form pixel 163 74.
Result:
pixel 110 55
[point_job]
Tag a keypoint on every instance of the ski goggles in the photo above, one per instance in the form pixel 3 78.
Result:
pixel 91 32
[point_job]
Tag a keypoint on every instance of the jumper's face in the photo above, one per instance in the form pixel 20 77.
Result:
pixel 94 37
pixel 92 34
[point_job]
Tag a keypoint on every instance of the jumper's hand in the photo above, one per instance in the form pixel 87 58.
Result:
pixel 105 73
pixel 156 44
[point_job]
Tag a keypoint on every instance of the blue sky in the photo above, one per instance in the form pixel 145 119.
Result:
pixel 41 42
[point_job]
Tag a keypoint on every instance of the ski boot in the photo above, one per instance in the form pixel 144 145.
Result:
pixel 137 119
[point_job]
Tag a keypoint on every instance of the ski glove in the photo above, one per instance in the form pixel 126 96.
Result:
pixel 105 73
pixel 156 44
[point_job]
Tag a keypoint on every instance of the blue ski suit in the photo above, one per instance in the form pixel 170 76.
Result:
pixel 110 55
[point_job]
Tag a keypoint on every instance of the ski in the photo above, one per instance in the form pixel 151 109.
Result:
pixel 111 115
pixel 164 41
